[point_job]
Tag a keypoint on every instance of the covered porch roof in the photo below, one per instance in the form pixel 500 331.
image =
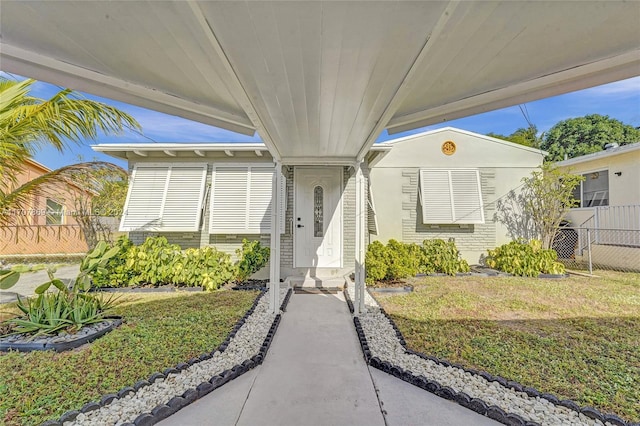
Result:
pixel 321 80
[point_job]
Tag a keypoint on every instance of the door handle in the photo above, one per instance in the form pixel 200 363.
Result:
pixel 300 226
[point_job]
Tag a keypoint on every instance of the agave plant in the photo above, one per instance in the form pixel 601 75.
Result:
pixel 70 307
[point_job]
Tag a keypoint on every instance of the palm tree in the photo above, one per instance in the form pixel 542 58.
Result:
pixel 28 124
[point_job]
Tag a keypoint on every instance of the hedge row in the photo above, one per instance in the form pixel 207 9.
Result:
pixel 399 260
pixel 156 262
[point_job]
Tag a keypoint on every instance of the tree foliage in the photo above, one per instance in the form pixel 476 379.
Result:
pixel 28 123
pixel 101 195
pixel 537 210
pixel 585 135
pixel 527 136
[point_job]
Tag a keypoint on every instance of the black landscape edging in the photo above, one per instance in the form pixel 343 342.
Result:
pixel 61 346
pixel 475 404
pixel 176 403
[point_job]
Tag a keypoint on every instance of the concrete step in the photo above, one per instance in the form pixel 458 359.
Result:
pixel 333 284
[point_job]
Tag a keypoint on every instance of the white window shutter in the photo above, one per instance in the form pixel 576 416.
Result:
pixel 260 184
pixel 184 198
pixel 435 191
pixel 467 196
pixel 143 207
pixel 451 196
pixel 241 200
pixel 229 196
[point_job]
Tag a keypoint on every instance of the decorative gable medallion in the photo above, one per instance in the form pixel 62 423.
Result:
pixel 448 148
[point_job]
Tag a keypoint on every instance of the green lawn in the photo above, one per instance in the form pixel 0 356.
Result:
pixel 578 338
pixel 160 331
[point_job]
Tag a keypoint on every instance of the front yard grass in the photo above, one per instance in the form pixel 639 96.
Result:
pixel 160 331
pixel 578 338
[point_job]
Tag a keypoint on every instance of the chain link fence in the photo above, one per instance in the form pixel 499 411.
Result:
pixel 597 248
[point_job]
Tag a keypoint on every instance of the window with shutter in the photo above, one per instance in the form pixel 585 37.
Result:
pixel 241 200
pixel 165 197
pixel 451 196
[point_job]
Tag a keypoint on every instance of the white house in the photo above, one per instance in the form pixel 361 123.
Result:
pixel 320 81
pixel 439 184
pixel 609 205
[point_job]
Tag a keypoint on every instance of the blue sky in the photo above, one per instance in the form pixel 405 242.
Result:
pixel 620 100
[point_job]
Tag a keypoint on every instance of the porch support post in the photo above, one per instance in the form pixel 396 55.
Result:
pixel 274 258
pixel 361 210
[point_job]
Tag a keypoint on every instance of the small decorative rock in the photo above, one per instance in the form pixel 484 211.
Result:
pixel 132 408
pixel 387 349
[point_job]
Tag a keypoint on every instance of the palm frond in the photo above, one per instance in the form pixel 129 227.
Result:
pixel 31 122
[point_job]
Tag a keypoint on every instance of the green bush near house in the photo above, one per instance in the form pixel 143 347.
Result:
pixel 525 259
pixel 156 262
pixel 442 257
pixel 251 258
pixel 399 260
pixel 116 273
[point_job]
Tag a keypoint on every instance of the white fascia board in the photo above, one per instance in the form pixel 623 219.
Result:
pixel 596 73
pixel 45 68
pixel 122 150
pixel 204 147
pixel 598 155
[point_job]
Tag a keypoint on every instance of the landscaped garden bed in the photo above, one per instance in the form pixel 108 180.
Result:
pixel 576 338
pixel 160 330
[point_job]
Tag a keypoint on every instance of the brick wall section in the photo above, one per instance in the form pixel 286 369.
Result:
pixel 472 238
pixel 286 239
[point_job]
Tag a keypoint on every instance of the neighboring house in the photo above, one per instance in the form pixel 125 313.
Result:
pixel 439 184
pixel 47 225
pixel 609 204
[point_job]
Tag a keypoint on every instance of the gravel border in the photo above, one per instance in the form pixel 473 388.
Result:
pixel 507 402
pixel 149 401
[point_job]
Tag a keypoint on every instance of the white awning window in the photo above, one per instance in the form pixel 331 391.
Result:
pixel 165 197
pixel 241 200
pixel 451 196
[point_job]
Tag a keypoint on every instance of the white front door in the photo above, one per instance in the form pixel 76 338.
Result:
pixel 317 220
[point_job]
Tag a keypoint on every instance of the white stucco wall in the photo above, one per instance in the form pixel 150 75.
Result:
pixel 624 189
pixel 394 184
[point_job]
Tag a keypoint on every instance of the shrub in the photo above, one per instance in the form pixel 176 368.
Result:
pixel 152 262
pixel 442 257
pixel 376 262
pixel 157 262
pixel 399 260
pixel 525 259
pixel 403 260
pixel 251 258
pixel 205 266
pixel 116 273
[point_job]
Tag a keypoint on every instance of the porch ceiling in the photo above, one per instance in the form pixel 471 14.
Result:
pixel 321 79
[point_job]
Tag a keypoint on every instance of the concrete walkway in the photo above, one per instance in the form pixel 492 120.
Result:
pixel 29 281
pixel 315 374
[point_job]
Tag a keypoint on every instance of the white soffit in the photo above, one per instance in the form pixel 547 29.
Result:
pixel 322 79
